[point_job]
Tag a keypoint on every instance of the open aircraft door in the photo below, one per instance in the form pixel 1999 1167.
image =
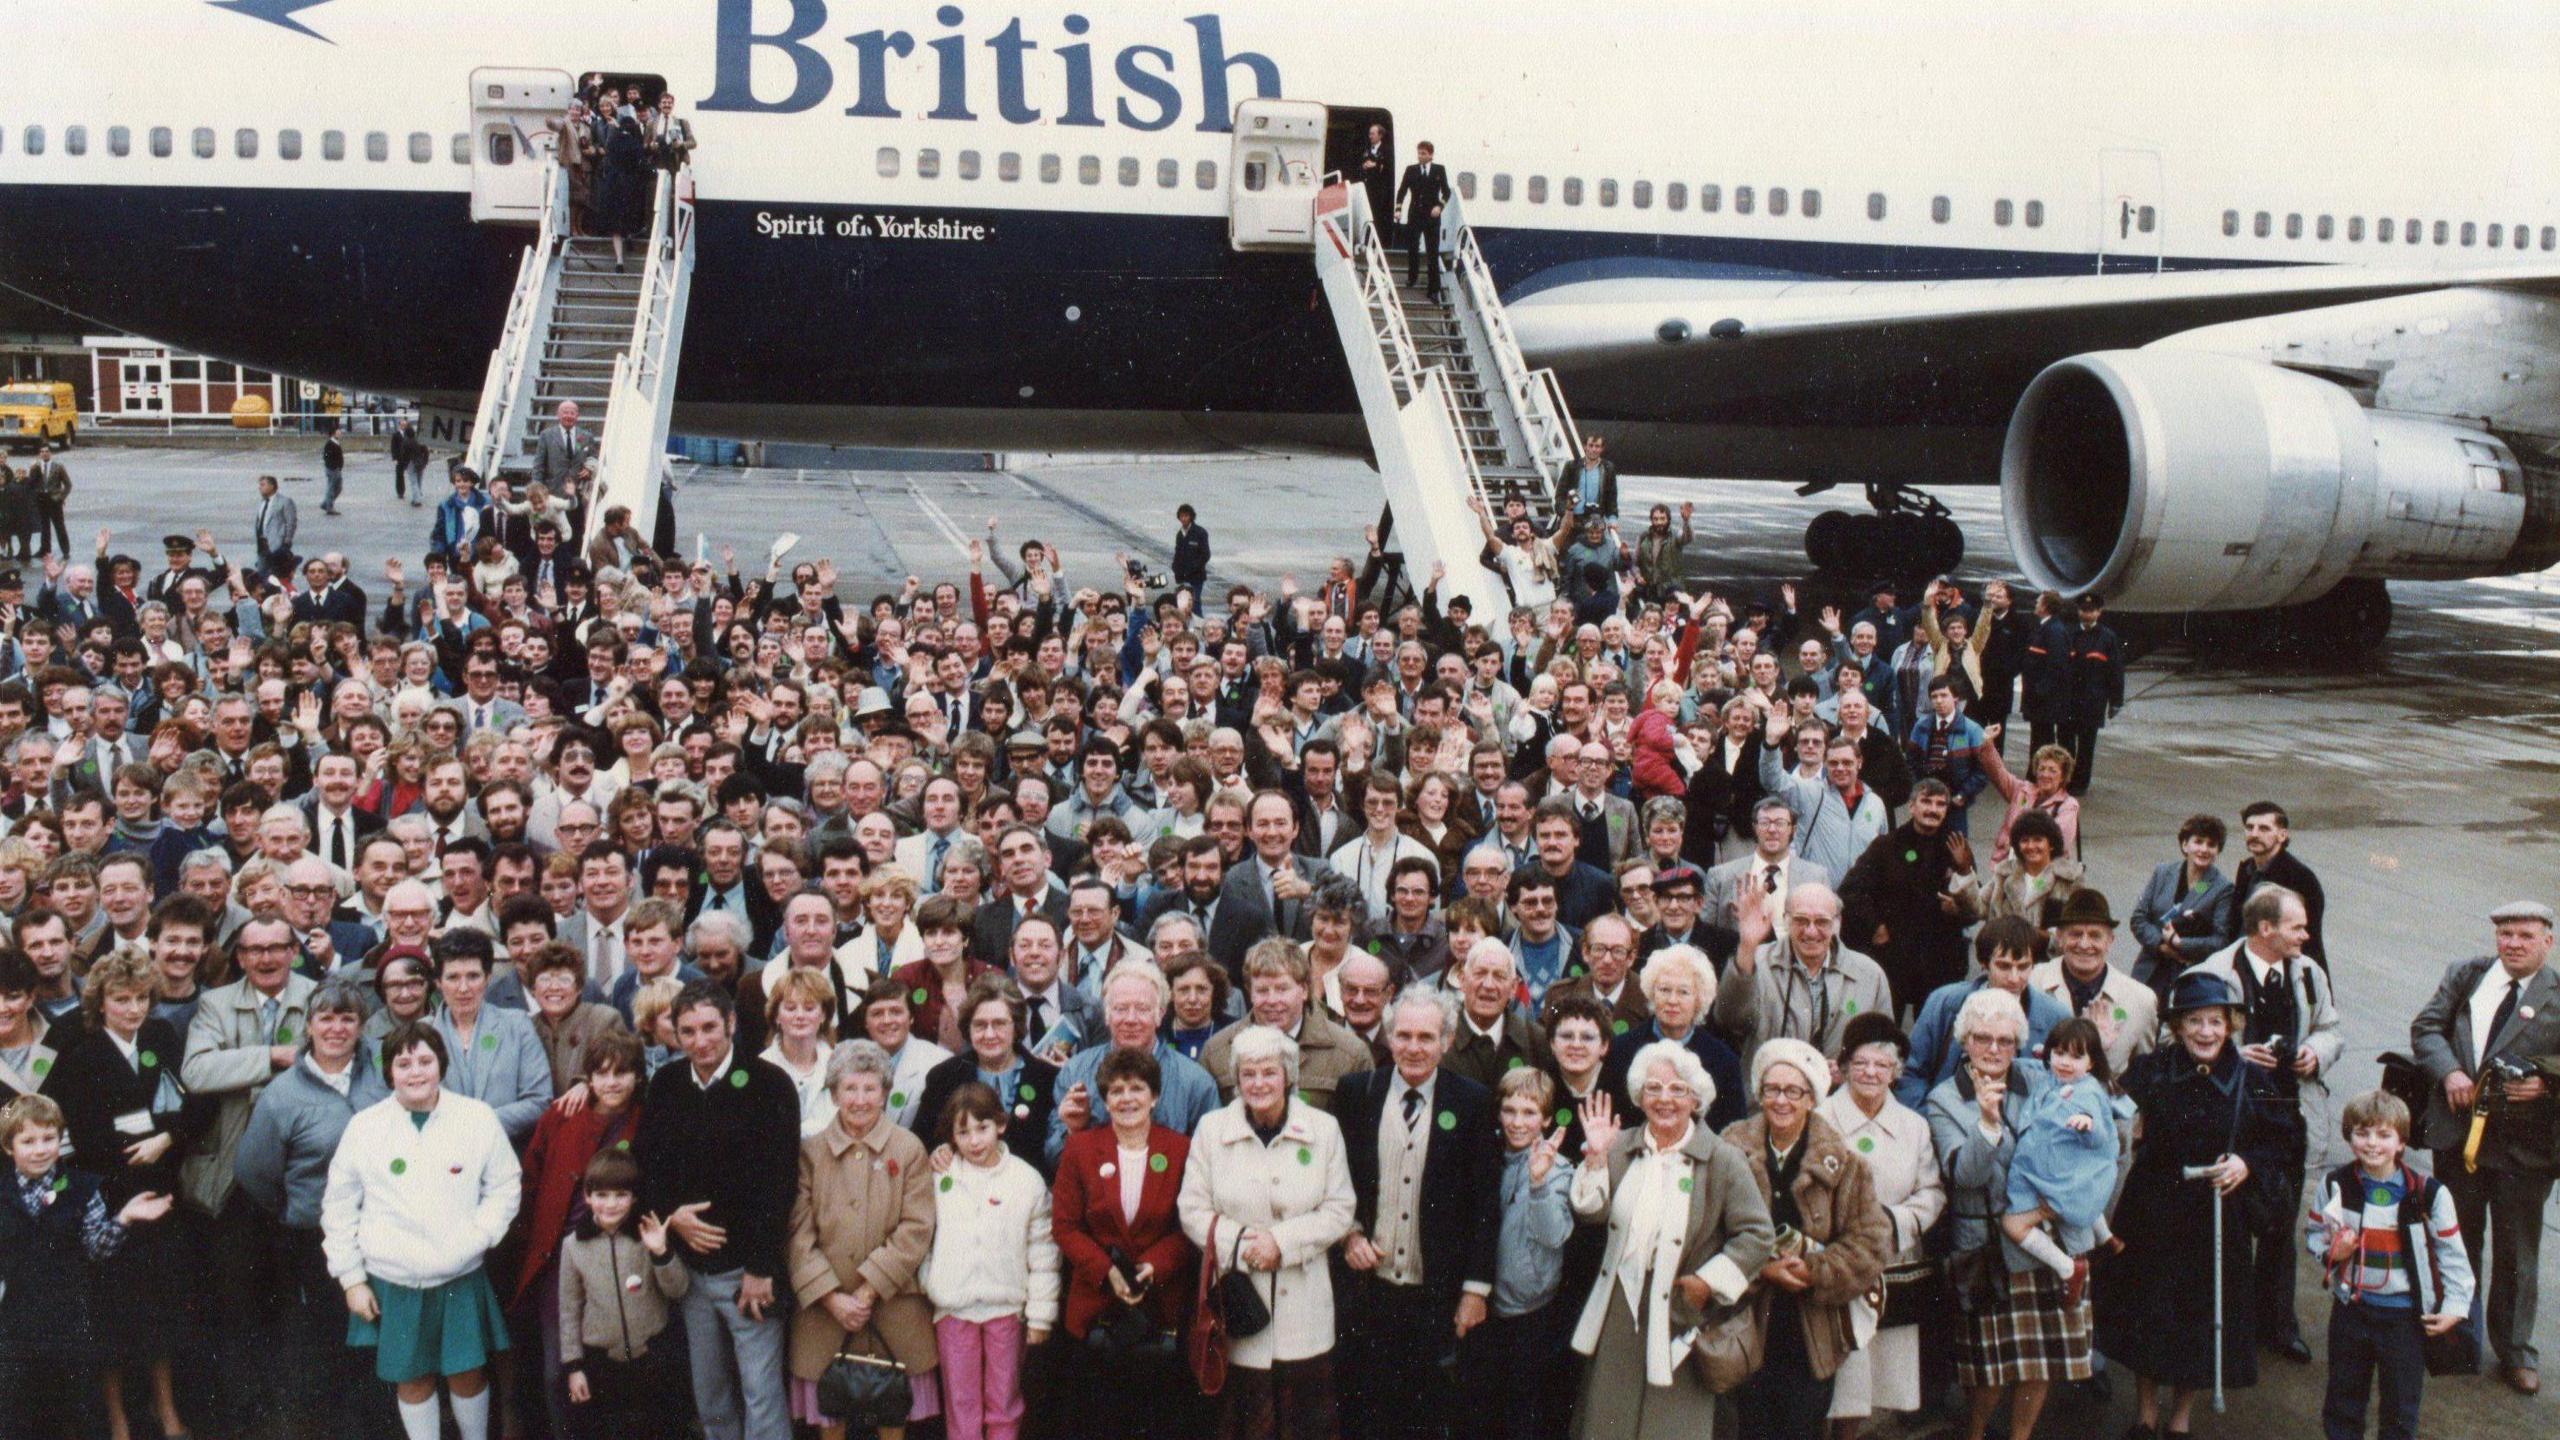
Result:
pixel 1274 169
pixel 2130 229
pixel 511 110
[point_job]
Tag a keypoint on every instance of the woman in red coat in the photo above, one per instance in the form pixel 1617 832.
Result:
pixel 602 1112
pixel 1112 1207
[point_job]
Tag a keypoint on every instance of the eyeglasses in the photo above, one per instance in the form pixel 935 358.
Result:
pixel 1666 1089
pixel 313 890
pixel 1993 1042
pixel 1795 1093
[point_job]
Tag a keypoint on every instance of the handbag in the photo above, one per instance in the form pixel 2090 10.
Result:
pixel 1912 1292
pixel 1239 1299
pixel 1729 1346
pixel 864 1392
pixel 1204 1341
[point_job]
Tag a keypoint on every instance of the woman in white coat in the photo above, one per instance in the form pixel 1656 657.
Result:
pixel 1268 1173
pixel 1687 1231
pixel 1902 1161
pixel 423 1186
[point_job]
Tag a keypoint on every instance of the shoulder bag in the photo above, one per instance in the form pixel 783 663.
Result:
pixel 1729 1346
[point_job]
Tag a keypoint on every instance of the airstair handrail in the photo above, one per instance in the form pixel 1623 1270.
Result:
pixel 1376 270
pixel 637 407
pixel 506 392
pixel 1547 426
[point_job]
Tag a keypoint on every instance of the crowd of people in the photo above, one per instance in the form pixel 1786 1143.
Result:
pixel 611 144
pixel 600 994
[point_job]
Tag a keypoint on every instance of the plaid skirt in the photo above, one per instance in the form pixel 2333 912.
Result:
pixel 2029 1335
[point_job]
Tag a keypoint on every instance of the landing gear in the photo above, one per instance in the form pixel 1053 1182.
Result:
pixel 1910 536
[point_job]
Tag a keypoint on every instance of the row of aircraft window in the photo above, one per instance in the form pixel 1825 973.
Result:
pixel 204 143
pixel 1778 200
pixel 2412 231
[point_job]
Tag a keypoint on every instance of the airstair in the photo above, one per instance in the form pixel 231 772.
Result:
pixel 1454 411
pixel 579 329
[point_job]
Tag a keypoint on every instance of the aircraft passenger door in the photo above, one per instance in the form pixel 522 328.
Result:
pixel 2130 228
pixel 511 110
pixel 1274 169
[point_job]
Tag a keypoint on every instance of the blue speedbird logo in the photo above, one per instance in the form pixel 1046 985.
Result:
pixel 277 12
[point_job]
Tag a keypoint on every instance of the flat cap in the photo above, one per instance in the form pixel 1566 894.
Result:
pixel 2523 910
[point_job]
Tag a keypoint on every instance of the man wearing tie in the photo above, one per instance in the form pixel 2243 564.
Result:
pixel 276 524
pixel 565 450
pixel 1377 171
pixel 1266 894
pixel 1426 189
pixel 2504 1008
pixel 482 707
pixel 338 828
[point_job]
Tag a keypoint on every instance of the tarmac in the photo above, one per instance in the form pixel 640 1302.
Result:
pixel 2423 778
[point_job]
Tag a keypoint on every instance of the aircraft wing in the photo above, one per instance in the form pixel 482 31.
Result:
pixel 1891 353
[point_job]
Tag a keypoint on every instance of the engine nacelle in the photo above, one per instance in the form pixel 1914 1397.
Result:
pixel 2180 480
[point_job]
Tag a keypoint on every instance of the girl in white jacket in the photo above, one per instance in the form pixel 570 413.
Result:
pixel 993 1273
pixel 422 1187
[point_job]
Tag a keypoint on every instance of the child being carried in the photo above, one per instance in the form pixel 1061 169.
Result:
pixel 2064 1173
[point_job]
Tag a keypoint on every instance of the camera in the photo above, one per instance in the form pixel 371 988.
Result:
pixel 2501 1071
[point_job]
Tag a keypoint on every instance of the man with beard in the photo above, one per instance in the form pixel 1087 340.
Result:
pixel 1204 873
pixel 1898 896
pixel 2267 831
pixel 448 802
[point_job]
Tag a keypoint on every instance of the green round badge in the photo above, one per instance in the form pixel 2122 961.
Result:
pixel 2377 1196
pixel 1564 1115
pixel 737 1079
pixel 898 1098
pixel 943 1184
pixel 920 996
pixel 1687 1184
pixel 1028 1092
pixel 61 1183
pixel 623 1144
pixel 284 1034
pixel 1849 1007
pixel 1910 857
pixel 149 1058
pixel 2119 1013
pixel 1866 1144
pixel 43 1064
pixel 488 1042
pixel 399 1167
pixel 1158 1163
pixel 1515 1063
pixel 1448 1120
pixel 1617 1027
pixel 1575 972
pixel 1306 1156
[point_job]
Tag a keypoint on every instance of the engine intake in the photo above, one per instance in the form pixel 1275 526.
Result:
pixel 2181 480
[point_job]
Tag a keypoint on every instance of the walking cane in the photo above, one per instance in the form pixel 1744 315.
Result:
pixel 2207 1172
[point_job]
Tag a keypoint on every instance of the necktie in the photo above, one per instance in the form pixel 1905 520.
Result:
pixel 933 868
pixel 1412 1106
pixel 2498 1022
pixel 1769 879
pixel 338 842
pixel 479 717
pixel 1590 811
pixel 719 899
pixel 604 967
pixel 269 1011
pixel 1039 1020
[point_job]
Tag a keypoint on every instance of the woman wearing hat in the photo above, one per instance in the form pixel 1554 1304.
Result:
pixel 1832 1242
pixel 2200 1105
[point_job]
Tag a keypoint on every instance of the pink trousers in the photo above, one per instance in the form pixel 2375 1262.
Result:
pixel 981 1377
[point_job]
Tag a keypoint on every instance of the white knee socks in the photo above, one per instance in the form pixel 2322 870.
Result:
pixel 471 1416
pixel 422 1420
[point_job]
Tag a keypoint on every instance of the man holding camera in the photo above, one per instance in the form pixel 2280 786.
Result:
pixel 2489 1041
pixel 2292 1032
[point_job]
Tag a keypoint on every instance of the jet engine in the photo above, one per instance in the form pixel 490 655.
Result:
pixel 2174 480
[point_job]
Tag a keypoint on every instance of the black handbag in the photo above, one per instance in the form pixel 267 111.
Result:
pixel 1239 1299
pixel 1912 1292
pixel 864 1392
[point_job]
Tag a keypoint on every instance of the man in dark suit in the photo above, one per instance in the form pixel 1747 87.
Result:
pixel 1426 189
pixel 2267 831
pixel 1426 1174
pixel 1191 544
pixel 1377 169
pixel 328 596
pixel 1024 887
pixel 1266 894
pixel 2503 1009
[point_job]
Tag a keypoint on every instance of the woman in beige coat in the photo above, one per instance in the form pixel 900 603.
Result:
pixel 1268 1171
pixel 860 1230
pixel 1687 1231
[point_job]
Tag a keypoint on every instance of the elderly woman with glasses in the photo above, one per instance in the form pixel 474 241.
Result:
pixel 1893 1141
pixel 2020 1331
pixel 1832 1239
pixel 1687 1231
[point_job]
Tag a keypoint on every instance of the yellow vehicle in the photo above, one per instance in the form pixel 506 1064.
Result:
pixel 38 412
